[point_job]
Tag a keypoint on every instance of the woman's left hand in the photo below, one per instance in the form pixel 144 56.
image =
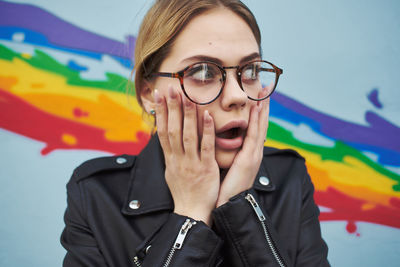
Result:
pixel 245 166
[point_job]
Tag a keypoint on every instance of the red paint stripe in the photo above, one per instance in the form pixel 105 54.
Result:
pixel 347 208
pixel 19 116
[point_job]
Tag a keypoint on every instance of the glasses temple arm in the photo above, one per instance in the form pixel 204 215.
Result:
pixel 280 71
pixel 165 74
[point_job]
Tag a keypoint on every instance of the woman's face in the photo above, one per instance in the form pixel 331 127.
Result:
pixel 223 37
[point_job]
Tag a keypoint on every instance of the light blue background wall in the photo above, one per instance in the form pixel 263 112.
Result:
pixel 333 54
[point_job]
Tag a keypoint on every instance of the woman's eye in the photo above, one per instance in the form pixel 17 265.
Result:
pixel 201 73
pixel 250 73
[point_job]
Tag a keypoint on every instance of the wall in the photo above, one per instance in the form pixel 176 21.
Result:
pixel 63 73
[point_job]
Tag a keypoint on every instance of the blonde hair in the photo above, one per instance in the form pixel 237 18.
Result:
pixel 164 21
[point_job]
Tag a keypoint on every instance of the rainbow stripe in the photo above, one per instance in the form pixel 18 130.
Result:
pixel 51 90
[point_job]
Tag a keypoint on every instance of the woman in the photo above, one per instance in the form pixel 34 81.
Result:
pixel 205 191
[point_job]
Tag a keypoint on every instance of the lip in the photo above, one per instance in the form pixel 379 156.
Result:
pixel 232 143
pixel 233 124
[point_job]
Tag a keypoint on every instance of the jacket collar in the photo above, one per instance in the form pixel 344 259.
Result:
pixel 148 185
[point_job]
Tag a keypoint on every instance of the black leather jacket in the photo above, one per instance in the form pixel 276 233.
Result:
pixel 120 213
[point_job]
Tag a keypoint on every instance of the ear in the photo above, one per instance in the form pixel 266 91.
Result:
pixel 146 95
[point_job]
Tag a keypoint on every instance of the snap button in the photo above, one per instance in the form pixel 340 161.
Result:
pixel 147 249
pixel 263 180
pixel 134 204
pixel 121 160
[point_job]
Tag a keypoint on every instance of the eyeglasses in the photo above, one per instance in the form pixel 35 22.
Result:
pixel 202 82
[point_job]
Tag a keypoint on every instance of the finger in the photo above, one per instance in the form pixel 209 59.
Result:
pixel 207 150
pixel 190 135
pixel 161 121
pixel 253 133
pixel 263 120
pixel 265 91
pixel 174 120
pixel 264 113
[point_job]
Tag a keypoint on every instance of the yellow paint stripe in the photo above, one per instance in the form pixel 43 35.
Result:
pixel 28 78
pixel 99 108
pixel 351 177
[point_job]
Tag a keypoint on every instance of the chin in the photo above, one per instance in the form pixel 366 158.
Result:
pixel 225 158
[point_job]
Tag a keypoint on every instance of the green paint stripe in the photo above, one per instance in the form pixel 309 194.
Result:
pixel 43 61
pixel 335 153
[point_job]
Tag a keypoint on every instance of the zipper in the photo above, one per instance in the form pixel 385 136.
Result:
pixel 179 240
pixel 262 218
pixel 136 261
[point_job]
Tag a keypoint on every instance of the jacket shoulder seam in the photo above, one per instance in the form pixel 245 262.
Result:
pixel 97 165
pixel 272 151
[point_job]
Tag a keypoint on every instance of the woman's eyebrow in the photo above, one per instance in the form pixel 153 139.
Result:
pixel 198 58
pixel 215 60
pixel 250 57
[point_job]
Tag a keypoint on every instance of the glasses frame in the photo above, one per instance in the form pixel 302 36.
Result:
pixel 180 75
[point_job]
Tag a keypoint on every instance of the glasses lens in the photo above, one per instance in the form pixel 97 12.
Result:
pixel 258 79
pixel 202 82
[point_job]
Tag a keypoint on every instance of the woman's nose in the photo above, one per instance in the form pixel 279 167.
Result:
pixel 232 94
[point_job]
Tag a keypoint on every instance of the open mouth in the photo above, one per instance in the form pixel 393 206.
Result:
pixel 231 133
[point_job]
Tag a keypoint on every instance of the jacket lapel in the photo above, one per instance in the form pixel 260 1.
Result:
pixel 147 185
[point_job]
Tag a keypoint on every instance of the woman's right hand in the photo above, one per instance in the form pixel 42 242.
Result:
pixel 192 174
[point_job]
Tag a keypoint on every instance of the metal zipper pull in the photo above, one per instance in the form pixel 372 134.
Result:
pixel 182 233
pixel 255 206
pixel 136 261
pixel 268 238
pixel 179 240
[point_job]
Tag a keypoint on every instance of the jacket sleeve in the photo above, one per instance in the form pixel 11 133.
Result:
pixel 183 241
pixel 198 245
pixel 246 242
pixel 77 238
pixel 251 239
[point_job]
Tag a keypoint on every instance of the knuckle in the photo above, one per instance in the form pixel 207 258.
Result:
pixel 189 110
pixel 253 137
pixel 162 135
pixel 161 128
pixel 206 147
pixel 207 130
pixel 188 139
pixel 163 140
pixel 173 103
pixel 172 133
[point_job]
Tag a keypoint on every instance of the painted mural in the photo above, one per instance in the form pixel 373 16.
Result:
pixel 59 89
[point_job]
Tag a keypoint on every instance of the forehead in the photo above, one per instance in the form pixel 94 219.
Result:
pixel 218 33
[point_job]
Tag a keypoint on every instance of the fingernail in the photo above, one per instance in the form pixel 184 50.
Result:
pixel 207 117
pixel 157 97
pixel 171 92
